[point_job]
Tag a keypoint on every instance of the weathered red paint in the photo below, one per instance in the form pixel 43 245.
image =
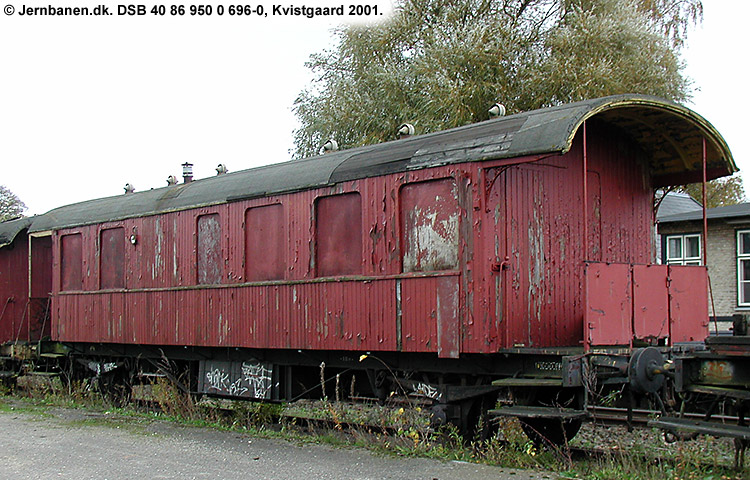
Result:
pixel 71 270
pixel 688 303
pixel 338 235
pixel 41 267
pixel 515 276
pixel 112 258
pixel 609 304
pixel 651 302
pixel 14 290
pixel 264 243
pixel 208 247
pixel 647 303
pixel 429 225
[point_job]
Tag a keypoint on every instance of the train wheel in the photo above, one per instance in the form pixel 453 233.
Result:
pixel 476 424
pixel 550 431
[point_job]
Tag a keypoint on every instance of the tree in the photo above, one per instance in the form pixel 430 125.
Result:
pixel 10 205
pixel 719 193
pixel 440 63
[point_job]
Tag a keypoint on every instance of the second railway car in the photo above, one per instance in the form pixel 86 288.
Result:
pixel 498 255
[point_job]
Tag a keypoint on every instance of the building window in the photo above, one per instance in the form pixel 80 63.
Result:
pixel 743 267
pixel 684 249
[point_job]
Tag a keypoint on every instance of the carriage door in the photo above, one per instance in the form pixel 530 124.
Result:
pixel 517 216
pixel 497 258
pixel 40 285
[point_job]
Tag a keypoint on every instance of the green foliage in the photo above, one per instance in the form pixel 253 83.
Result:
pixel 10 205
pixel 439 64
pixel 719 193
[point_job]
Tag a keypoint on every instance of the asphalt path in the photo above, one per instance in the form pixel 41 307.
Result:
pixel 88 445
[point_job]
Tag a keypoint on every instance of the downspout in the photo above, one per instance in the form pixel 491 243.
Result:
pixel 705 221
pixel 705 240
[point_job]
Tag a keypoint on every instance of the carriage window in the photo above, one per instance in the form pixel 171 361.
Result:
pixel 264 243
pixel 743 268
pixel 71 269
pixel 684 249
pixel 429 226
pixel 112 260
pixel 338 235
pixel 210 269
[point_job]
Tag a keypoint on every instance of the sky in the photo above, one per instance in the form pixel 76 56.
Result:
pixel 90 103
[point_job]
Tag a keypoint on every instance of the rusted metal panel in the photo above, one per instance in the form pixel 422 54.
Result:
pixel 609 307
pixel 650 302
pixel 338 235
pixel 112 258
pixel 688 303
pixel 210 262
pixel 264 243
pixel 429 225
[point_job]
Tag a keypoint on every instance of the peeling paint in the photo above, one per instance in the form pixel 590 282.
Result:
pixel 430 221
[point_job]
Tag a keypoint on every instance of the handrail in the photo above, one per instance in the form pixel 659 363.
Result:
pixel 25 309
pixel 10 299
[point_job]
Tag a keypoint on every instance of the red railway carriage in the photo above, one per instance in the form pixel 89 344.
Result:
pixel 465 241
pixel 498 249
pixel 24 315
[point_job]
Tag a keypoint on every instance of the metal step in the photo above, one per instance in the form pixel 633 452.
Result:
pixel 528 382
pixel 539 412
pixel 707 428
pixel 51 355
pixel 720 391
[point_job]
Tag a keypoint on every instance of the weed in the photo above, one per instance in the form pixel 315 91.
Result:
pixel 411 434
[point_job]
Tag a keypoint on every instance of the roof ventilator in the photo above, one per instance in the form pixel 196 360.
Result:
pixel 221 169
pixel 405 130
pixel 171 180
pixel 187 172
pixel 330 146
pixel 497 110
pixel 129 188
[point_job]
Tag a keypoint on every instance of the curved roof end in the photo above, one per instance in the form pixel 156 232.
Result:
pixel 10 229
pixel 671 134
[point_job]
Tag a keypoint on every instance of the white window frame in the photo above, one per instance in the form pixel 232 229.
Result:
pixel 741 257
pixel 682 259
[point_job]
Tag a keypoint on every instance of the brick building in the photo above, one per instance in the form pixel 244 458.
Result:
pixel 728 253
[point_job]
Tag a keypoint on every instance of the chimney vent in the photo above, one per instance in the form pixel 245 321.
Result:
pixel 187 172
pixel 171 180
pixel 330 146
pixel 221 169
pixel 405 130
pixel 129 188
pixel 497 110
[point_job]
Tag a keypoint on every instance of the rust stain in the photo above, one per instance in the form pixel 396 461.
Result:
pixel 717 371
